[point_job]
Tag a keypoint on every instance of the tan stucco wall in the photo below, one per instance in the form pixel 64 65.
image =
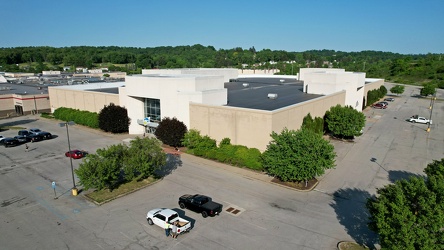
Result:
pixel 80 99
pixel 31 103
pixel 372 84
pixel 252 128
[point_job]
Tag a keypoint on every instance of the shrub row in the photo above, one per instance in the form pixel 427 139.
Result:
pixel 376 94
pixel 236 155
pixel 85 118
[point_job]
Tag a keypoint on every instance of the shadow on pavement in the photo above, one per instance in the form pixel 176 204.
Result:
pixel 396 175
pixel 16 123
pixel 349 205
pixel 172 162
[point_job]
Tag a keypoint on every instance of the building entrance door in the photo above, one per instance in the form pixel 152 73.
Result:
pixel 19 109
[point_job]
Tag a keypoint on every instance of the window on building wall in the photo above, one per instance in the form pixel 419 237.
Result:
pixel 152 109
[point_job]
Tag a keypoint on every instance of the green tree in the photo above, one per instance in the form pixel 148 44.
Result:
pixel 344 122
pixel 398 89
pixel 316 125
pixel 409 214
pixel 428 89
pixel 171 131
pixel 144 157
pixel 383 91
pixel 114 119
pixel 102 170
pixel 436 168
pixel 298 155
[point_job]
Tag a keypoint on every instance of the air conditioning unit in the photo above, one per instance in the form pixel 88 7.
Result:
pixel 272 96
pixel 245 85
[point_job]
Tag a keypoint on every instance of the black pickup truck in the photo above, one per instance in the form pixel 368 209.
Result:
pixel 200 204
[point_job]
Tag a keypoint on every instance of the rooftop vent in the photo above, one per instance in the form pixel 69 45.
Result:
pixel 272 96
pixel 245 85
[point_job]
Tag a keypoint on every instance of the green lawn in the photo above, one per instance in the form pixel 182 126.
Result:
pixel 103 196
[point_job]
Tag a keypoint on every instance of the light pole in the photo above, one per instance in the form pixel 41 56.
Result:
pixel 432 102
pixel 66 124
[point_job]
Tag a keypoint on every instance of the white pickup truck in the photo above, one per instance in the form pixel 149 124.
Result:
pixel 160 216
pixel 419 119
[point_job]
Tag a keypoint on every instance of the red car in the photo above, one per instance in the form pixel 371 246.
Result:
pixel 379 106
pixel 76 154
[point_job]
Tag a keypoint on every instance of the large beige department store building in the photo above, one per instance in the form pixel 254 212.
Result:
pixel 222 103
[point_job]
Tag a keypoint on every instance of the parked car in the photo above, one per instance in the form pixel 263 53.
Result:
pixel 34 137
pixel 379 106
pixel 419 119
pixel 76 154
pixel 35 131
pixel 1 138
pixel 10 142
pixel 160 216
pixel 200 204
pixel 24 133
pixel 21 138
pixel 390 99
pixel 45 135
pixel 384 103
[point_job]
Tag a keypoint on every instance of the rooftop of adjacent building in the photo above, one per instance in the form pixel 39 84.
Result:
pixel 253 93
pixel 22 89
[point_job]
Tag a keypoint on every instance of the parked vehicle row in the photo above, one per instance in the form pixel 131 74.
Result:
pixel 24 136
pixel 202 204
pixel 383 104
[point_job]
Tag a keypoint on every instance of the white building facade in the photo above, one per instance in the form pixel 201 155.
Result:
pixel 155 96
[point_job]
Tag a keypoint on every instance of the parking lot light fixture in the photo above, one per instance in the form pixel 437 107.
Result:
pixel 67 124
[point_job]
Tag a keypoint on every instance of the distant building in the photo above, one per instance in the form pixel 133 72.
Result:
pixel 22 100
pixel 51 72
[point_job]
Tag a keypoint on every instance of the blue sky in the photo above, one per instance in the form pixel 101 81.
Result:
pixel 406 27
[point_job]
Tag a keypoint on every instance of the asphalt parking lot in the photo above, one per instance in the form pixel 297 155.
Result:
pixel 270 216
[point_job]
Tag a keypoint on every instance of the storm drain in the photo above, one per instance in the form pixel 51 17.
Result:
pixel 234 210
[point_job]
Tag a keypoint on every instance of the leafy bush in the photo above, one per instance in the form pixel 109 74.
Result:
pixel 47 115
pixel 114 119
pixel 298 155
pixel 428 89
pixel 84 118
pixel 382 91
pixel 205 144
pixel 236 155
pixel 316 125
pixel 398 89
pixel 345 122
pixel 191 139
pixel 109 167
pixel 171 131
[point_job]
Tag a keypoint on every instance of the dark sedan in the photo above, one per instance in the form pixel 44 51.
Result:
pixel 76 154
pixel 34 138
pixel 45 135
pixel 21 138
pixel 10 142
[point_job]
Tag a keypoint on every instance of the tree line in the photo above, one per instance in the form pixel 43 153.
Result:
pixel 409 69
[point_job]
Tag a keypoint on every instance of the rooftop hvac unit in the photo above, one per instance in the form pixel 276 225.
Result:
pixel 246 85
pixel 272 96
